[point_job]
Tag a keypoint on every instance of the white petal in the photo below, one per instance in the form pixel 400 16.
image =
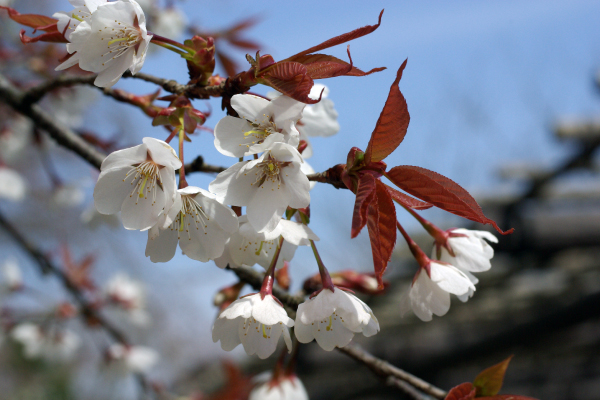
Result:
pixel 141 213
pixel 161 247
pixel 162 153
pixel 126 157
pixel 248 106
pixel 267 311
pixel 12 186
pixel 303 332
pixel 297 185
pixel 336 336
pixel 286 109
pixel 232 190
pixel 427 298
pixel 266 206
pixel 229 136
pixel 226 331
pixel 450 279
pixel 297 233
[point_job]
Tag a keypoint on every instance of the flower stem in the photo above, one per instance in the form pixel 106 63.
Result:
pixel 182 182
pixel 172 135
pixel 325 278
pixel 173 49
pixel 439 235
pixel 416 251
pixel 267 285
pixel 157 39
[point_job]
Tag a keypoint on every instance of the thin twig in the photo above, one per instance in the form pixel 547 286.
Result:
pixel 36 93
pixel 405 387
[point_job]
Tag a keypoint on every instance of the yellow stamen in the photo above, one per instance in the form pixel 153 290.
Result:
pixel 143 186
pixel 259 249
pixel 181 226
pixel 254 132
pixel 271 167
pixel 76 17
pixel 328 328
pixel 264 332
pixel 118 40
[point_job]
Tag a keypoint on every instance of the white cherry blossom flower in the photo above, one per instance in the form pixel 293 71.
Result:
pixel 110 41
pixel 287 387
pixel 249 247
pixel 129 297
pixel 68 21
pixel 15 139
pixel 139 182
pixel 53 344
pixel 261 124
pixel 67 196
pixel 200 224
pixel 430 292
pixel 12 186
pixel 332 318
pixel 254 322
pixel 470 253
pixel 131 359
pixel 266 186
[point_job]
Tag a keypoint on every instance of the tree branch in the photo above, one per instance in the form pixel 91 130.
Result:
pixel 36 93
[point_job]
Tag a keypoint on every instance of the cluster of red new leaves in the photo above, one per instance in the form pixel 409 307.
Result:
pixel 295 75
pixel 486 386
pixel 374 204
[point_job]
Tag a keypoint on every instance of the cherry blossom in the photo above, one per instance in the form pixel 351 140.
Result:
pixel 169 22
pixel 249 247
pixel 129 298
pixel 93 219
pixel 266 186
pixel 12 186
pixel 261 124
pixel 139 182
pixel 52 344
pixel 287 387
pixel 332 318
pixel 430 291
pixel 200 224
pixel 131 359
pixel 67 196
pixel 109 42
pixel 255 322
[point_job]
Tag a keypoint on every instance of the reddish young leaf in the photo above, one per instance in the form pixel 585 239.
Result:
pixel 35 21
pixel 464 391
pixel 506 397
pixel 381 223
pixel 228 64
pixel 320 66
pixel 364 195
pixel 346 37
pixel 440 191
pixel 52 37
pixel 489 381
pixel 291 79
pixel 406 200
pixel 392 124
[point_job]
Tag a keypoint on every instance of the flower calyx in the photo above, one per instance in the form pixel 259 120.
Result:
pixel 200 60
pixel 357 166
pixel 180 114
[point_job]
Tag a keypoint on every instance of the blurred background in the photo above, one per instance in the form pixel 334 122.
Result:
pixel 504 99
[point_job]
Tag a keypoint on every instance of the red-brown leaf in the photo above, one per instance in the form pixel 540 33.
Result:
pixel 364 195
pixel 35 21
pixel 392 124
pixel 346 37
pixel 381 223
pixel 464 391
pixel 291 79
pixel 440 191
pixel 51 37
pixel 489 381
pixel 228 64
pixel 406 200
pixel 320 66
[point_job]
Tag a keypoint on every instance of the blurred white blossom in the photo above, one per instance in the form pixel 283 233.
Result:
pixel 52 344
